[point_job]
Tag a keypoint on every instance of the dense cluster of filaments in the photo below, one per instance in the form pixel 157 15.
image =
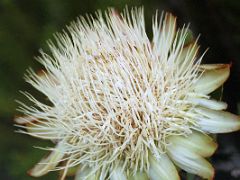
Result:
pixel 116 94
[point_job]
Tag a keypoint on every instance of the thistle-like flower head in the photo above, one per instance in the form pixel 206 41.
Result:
pixel 124 106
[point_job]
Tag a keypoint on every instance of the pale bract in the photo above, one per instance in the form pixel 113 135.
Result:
pixel 124 106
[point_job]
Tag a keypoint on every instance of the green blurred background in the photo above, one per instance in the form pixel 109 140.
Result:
pixel 25 25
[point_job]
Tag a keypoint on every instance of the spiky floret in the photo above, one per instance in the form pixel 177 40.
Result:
pixel 119 99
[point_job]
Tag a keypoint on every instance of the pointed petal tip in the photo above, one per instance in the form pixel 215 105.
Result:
pixel 33 172
pixel 49 162
pixel 214 121
pixel 191 162
pixel 210 174
pixel 213 77
pixel 197 142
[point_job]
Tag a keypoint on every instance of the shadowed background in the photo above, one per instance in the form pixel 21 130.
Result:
pixel 26 25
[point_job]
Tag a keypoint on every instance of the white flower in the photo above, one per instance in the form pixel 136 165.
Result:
pixel 124 106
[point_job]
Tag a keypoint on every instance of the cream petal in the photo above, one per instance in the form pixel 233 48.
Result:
pixel 196 142
pixel 118 174
pixel 212 66
pixel 217 121
pixel 212 78
pixel 162 169
pixel 139 176
pixel 49 163
pixel 190 161
pixel 208 103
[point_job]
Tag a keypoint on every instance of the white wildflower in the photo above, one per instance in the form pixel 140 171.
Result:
pixel 124 106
